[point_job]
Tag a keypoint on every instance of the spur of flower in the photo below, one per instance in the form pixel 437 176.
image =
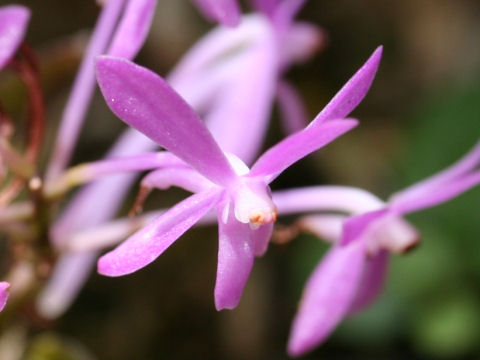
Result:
pixel 352 273
pixel 221 181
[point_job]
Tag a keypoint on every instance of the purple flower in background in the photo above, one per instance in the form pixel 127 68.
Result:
pixel 226 12
pixel 13 23
pixel 3 294
pixel 352 273
pixel 240 196
pixel 121 30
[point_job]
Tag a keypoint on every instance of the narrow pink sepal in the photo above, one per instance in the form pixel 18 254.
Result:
pixel 235 258
pixel 225 12
pixel 261 238
pixel 13 24
pixel 327 297
pixel 146 245
pixel 353 92
pixel 436 195
pixel 292 109
pixel 296 146
pixel 3 294
pixel 133 29
pixel 371 282
pixel 146 102
pixel 182 177
pixel 467 163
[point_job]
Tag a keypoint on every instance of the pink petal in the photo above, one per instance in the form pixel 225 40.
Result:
pixel 325 198
pixel 225 12
pixel 146 102
pixel 83 88
pixel 435 196
pixel 356 227
pixel 133 29
pixel 352 93
pixel 292 109
pixel 246 101
pixel 146 245
pixel 327 297
pixel 266 6
pixel 13 24
pixel 327 227
pixel 467 163
pixel 70 274
pixel 235 258
pixel 372 281
pixel 261 238
pixel 3 294
pixel 131 163
pixel 286 12
pixel 185 178
pixel 296 146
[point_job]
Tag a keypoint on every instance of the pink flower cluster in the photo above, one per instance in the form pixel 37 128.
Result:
pixel 232 76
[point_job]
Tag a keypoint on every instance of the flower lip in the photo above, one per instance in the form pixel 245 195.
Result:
pixel 253 203
pixel 262 217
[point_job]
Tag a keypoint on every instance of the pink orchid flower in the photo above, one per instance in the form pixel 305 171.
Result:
pixel 240 195
pixel 352 273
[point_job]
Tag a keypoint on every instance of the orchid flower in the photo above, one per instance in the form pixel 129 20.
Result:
pixel 351 275
pixel 13 24
pixel 222 181
pixel 215 78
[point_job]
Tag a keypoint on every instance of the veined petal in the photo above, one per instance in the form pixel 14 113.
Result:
pixel 327 297
pixel 13 23
pixel 372 281
pixel 133 29
pixel 146 102
pixel 3 294
pixel 225 12
pixel 352 93
pixel 235 258
pixel 261 238
pixel 146 245
pixel 296 146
